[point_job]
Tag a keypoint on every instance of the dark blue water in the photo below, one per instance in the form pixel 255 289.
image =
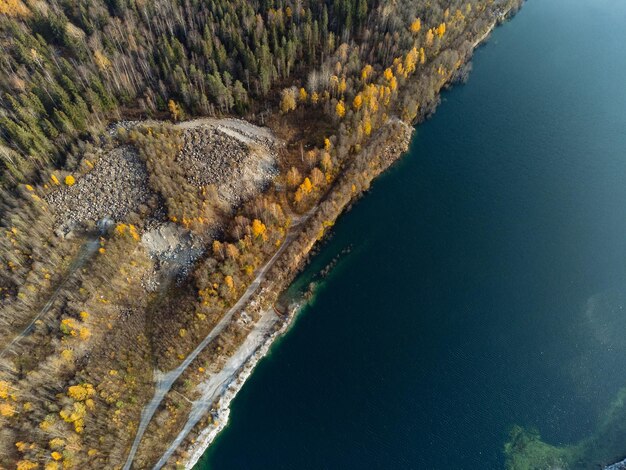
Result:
pixel 485 284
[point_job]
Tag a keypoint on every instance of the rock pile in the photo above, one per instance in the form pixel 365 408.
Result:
pixel 116 186
pixel 209 156
pixel 237 162
pixel 238 158
pixel 175 250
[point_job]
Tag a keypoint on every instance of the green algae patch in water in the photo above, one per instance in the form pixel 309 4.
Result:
pixel 527 451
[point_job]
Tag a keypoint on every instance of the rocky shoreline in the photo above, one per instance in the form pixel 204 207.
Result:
pixel 222 410
pixel 621 465
pixel 196 447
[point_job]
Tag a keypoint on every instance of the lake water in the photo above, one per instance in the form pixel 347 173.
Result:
pixel 486 282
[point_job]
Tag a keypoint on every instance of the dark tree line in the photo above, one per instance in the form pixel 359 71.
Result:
pixel 70 66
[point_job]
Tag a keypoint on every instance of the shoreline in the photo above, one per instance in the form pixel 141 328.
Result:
pixel 194 451
pixel 222 413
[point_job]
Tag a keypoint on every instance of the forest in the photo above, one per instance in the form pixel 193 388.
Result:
pixel 339 82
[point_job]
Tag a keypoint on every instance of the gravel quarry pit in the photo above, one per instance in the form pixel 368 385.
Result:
pixel 238 158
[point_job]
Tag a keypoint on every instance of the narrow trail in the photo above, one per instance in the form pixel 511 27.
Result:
pixel 165 381
pixel 86 252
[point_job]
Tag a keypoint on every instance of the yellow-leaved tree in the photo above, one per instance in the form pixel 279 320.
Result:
pixel 4 389
pixel 81 392
pixel 416 26
pixel 303 95
pixel 288 100
pixel 430 37
pixel 258 228
pixel 174 109
pixel 410 61
pixel 101 60
pixel 13 8
pixel 340 109
pixel 304 189
pixel 441 29
pixel 366 72
pixel 7 410
pixel 306 185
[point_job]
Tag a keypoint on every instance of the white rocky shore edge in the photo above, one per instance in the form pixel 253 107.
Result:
pixel 262 343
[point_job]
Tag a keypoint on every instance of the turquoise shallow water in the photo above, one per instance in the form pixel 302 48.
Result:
pixel 486 283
